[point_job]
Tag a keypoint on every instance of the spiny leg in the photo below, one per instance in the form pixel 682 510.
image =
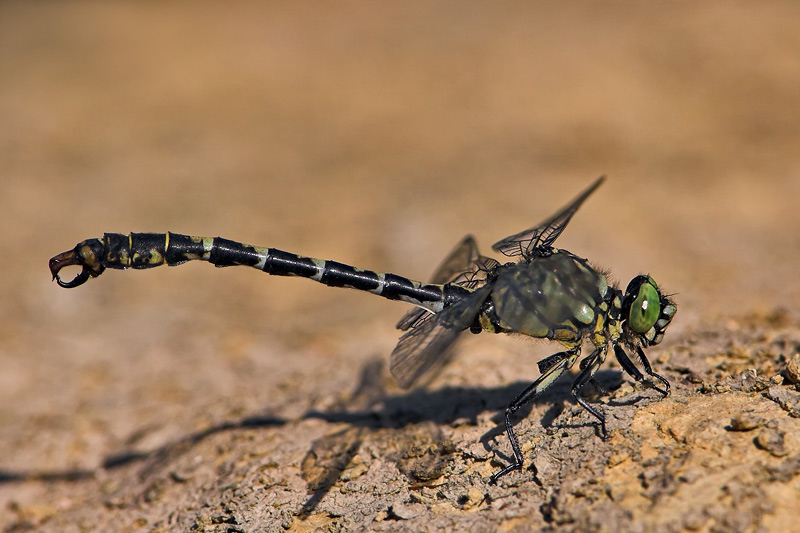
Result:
pixel 631 369
pixel 589 366
pixel 601 390
pixel 649 370
pixel 554 367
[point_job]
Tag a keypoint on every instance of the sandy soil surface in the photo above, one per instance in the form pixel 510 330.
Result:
pixel 198 399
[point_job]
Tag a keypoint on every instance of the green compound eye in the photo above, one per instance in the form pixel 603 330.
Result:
pixel 645 308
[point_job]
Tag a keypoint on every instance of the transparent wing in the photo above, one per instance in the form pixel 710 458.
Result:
pixel 427 343
pixel 413 318
pixel 458 261
pixel 542 237
pixel 464 265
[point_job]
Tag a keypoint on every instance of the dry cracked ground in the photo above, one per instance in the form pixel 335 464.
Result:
pixel 195 399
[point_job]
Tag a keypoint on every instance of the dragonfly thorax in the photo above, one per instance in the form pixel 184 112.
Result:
pixel 557 296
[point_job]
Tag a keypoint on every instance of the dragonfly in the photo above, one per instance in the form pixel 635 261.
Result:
pixel 544 292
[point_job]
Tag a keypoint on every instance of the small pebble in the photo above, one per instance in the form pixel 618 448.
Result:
pixel 793 369
pixel 617 458
pixel 771 440
pixel 745 422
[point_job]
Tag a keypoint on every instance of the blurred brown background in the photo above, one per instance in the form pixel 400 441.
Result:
pixel 375 134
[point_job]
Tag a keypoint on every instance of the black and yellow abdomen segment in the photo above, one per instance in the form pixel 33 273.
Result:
pixel 557 296
pixel 148 250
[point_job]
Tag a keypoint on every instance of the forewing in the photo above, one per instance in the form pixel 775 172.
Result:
pixel 426 344
pixel 542 237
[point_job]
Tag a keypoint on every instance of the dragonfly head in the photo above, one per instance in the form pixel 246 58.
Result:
pixel 646 312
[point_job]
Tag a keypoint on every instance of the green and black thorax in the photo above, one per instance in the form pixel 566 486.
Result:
pixel 560 296
pixel 556 295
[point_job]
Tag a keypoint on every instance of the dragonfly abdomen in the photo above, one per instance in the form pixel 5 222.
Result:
pixel 149 250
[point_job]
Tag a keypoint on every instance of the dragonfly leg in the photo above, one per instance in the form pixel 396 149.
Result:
pixel 596 384
pixel 649 370
pixel 557 364
pixel 602 391
pixel 589 366
pixel 629 367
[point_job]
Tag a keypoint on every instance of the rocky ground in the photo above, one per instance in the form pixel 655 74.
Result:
pixel 378 135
